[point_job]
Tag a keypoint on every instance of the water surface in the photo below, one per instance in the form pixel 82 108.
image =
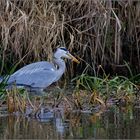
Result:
pixel 115 123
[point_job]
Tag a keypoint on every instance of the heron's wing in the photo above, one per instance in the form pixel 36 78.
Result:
pixel 40 78
pixel 40 74
pixel 34 67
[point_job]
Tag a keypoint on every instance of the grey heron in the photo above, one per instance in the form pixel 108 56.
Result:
pixel 42 74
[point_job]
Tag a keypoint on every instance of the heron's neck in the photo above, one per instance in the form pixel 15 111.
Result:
pixel 60 64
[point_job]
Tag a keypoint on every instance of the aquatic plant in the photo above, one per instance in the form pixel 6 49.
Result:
pixel 101 90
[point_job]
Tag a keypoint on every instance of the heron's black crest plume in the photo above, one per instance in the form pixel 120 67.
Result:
pixel 62 48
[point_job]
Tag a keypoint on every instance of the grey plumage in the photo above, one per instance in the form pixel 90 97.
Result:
pixel 42 74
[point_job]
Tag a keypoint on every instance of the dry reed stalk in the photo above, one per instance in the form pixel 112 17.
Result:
pixel 101 32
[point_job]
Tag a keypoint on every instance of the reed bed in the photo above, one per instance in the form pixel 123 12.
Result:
pixel 99 32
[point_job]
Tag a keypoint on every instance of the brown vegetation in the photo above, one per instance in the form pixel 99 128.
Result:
pixel 100 32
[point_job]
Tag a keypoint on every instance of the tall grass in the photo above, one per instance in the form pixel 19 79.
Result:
pixel 101 32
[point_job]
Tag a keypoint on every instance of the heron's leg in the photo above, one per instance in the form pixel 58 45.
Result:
pixel 59 97
pixel 38 100
pixel 37 107
pixel 40 94
pixel 40 108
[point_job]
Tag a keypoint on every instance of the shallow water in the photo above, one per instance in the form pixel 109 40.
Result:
pixel 115 123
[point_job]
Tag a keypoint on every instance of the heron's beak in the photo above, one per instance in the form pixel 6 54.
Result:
pixel 73 58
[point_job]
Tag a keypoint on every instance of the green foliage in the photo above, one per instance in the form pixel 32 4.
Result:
pixel 106 85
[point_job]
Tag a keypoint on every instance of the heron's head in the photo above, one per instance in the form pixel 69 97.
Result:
pixel 62 52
